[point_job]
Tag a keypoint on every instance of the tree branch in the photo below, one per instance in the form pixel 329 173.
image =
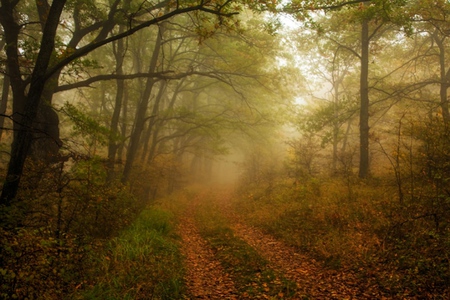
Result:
pixel 166 75
pixel 329 7
pixel 97 44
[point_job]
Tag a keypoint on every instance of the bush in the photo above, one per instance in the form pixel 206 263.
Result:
pixel 61 215
pixel 35 265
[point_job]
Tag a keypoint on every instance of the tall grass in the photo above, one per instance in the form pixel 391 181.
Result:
pixel 143 262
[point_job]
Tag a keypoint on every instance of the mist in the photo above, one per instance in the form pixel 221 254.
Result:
pixel 224 150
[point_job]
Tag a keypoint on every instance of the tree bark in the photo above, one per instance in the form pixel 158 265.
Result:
pixel 123 127
pixel 4 102
pixel 364 108
pixel 139 121
pixel 114 130
pixel 22 141
pixel 5 93
pixel 444 79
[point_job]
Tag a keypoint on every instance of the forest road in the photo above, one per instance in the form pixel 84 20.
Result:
pixel 206 279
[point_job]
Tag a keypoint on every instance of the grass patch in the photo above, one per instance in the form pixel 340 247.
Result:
pixel 143 262
pixel 251 273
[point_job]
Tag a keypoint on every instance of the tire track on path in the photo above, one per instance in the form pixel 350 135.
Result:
pixel 313 281
pixel 205 278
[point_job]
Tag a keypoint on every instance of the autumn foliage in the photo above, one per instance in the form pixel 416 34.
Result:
pixel 393 229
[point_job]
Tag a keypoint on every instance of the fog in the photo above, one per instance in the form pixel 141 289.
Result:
pixel 225 149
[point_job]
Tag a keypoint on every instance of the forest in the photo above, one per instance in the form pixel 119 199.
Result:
pixel 225 149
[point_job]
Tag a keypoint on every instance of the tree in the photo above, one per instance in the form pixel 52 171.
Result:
pixel 27 105
pixel 373 18
pixel 53 55
pixel 431 17
pixel 139 119
pixel 334 68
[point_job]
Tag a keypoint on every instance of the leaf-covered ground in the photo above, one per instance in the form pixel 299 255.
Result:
pixel 261 267
pixel 205 278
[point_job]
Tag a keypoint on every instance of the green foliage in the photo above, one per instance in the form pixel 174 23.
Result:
pixel 419 232
pixel 163 176
pixel 326 115
pixel 68 244
pixel 86 126
pixel 303 157
pixel 434 155
pixel 35 265
pixel 74 197
pixel 77 68
pixel 59 217
pixel 30 48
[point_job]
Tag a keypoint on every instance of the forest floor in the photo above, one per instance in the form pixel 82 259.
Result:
pixel 205 277
pixel 228 259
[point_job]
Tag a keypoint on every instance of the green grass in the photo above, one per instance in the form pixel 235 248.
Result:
pixel 143 262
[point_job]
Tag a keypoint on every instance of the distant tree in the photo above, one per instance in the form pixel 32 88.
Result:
pixel 431 17
pixel 373 17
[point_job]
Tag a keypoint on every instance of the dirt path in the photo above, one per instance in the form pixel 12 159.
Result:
pixel 205 278
pixel 313 281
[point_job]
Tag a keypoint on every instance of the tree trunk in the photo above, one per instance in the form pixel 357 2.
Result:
pixel 4 102
pixel 141 110
pixel 152 120
pixel 46 142
pixel 336 125
pixel 159 126
pixel 123 127
pixel 444 79
pixel 22 140
pixel 364 109
pixel 5 93
pixel 114 130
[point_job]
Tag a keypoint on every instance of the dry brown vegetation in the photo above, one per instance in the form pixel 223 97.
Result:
pixel 393 245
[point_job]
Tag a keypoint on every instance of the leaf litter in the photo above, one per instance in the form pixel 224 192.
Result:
pixel 207 279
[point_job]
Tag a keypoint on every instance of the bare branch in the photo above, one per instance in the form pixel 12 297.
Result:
pixel 166 75
pixel 97 44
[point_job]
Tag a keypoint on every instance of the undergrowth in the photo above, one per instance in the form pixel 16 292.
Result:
pixel 79 237
pixel 363 227
pixel 143 262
